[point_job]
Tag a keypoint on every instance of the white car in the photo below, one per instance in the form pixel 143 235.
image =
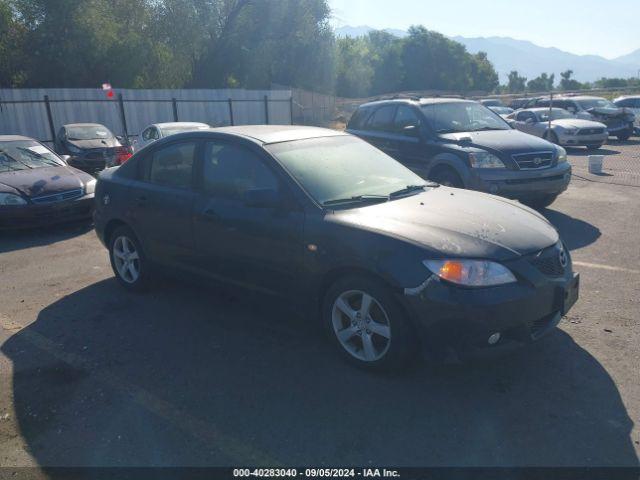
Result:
pixel 160 130
pixel 632 102
pixel 566 129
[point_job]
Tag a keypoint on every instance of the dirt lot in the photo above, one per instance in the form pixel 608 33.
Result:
pixel 194 375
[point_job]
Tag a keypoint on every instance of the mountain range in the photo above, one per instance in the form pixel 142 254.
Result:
pixel 531 60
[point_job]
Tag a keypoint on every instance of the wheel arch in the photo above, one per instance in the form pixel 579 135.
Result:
pixel 452 162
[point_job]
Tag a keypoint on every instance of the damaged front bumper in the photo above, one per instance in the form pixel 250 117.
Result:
pixel 456 324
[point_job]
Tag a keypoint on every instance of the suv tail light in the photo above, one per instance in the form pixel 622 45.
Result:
pixel 122 155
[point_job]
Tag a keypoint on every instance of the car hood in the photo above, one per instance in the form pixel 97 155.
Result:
pixel 457 223
pixel 44 181
pixel 577 123
pixel 94 143
pixel 508 141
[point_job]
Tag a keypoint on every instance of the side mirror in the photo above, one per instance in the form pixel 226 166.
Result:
pixel 262 198
pixel 65 158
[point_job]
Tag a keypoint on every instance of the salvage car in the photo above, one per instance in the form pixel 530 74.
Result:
pixel 502 111
pixel 38 188
pixel 631 102
pixel 564 129
pixel 619 121
pixel 91 147
pixel 492 102
pixel 160 130
pixel 389 263
pixel 462 143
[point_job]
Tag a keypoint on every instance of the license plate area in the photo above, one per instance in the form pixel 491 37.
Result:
pixel 570 294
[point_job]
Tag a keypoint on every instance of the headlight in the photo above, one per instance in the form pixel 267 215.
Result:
pixel 471 273
pixel 562 155
pixel 90 187
pixel 485 160
pixel 11 199
pixel 570 131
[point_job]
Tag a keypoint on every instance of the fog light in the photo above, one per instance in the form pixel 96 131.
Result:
pixel 493 339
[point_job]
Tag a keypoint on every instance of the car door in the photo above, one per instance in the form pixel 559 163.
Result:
pixel 247 227
pixel 377 128
pixel 162 203
pixel 405 142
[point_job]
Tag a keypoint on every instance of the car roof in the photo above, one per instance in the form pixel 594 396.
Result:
pixel 84 125
pixel 266 134
pixel 14 138
pixel 179 124
pixel 417 101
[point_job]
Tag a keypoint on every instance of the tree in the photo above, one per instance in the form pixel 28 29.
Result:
pixel 12 36
pixel 354 71
pixel 543 83
pixel 516 83
pixel 567 83
pixel 484 77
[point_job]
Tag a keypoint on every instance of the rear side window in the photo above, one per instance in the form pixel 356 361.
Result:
pixel 173 165
pixel 382 118
pixel 230 171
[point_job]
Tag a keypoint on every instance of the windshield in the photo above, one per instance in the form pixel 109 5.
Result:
pixel 595 103
pixel 556 114
pixel 90 132
pixel 26 154
pixel 188 128
pixel 462 117
pixel 342 167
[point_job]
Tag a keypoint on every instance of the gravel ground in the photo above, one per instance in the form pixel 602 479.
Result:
pixel 194 375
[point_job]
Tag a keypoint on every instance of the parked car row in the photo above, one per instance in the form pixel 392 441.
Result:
pixel 621 117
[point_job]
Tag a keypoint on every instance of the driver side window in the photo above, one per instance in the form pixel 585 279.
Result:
pixel 406 117
pixel 230 171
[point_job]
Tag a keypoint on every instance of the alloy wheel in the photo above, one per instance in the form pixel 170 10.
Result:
pixel 126 259
pixel 361 325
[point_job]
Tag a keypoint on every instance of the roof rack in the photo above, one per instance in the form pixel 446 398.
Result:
pixel 396 96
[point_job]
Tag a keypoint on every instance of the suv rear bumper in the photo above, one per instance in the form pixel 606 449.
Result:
pixel 520 184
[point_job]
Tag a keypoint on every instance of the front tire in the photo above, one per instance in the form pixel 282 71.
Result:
pixel 128 261
pixel 542 202
pixel 367 324
pixel 447 177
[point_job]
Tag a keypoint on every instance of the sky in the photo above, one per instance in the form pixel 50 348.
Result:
pixel 596 27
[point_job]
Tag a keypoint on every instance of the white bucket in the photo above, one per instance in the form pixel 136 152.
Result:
pixel 595 163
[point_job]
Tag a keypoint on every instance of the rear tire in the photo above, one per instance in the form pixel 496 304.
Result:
pixel 367 325
pixel 447 177
pixel 128 261
pixel 623 137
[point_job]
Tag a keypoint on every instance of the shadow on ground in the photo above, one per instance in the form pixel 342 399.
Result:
pixel 11 240
pixel 186 376
pixel 574 232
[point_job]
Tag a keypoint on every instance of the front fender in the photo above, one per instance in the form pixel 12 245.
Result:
pixel 453 161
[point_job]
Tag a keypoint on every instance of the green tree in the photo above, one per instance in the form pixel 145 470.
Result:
pixel 568 83
pixel 516 83
pixel 484 76
pixel 542 83
pixel 354 70
pixel 12 36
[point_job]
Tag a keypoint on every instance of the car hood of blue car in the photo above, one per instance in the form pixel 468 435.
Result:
pixel 507 141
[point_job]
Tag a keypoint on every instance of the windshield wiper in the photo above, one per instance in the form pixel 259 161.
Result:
pixel 46 160
pixel 410 189
pixel 487 128
pixel 357 199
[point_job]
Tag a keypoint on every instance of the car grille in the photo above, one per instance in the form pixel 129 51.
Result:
pixel 58 197
pixel 548 262
pixel 533 161
pixel 591 131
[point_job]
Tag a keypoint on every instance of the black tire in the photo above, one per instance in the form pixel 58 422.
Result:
pixel 594 147
pixel 143 280
pixel 446 177
pixel 401 346
pixel 623 137
pixel 552 137
pixel 542 202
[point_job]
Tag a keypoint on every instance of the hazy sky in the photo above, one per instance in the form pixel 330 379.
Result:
pixel 608 28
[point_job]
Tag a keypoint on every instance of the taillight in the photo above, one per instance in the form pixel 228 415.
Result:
pixel 122 155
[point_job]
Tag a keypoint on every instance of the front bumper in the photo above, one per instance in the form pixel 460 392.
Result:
pixel 455 323
pixel 582 140
pixel 522 184
pixel 27 216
